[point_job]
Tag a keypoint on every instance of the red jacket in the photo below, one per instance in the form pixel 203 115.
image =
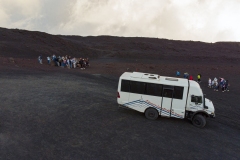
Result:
pixel 190 77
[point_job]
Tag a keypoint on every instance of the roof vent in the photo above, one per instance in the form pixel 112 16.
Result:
pixel 152 77
pixel 171 79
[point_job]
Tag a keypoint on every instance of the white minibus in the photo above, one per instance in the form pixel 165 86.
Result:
pixel 156 95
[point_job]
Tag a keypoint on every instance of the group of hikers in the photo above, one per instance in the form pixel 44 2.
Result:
pixel 222 84
pixel 66 61
pixel 215 83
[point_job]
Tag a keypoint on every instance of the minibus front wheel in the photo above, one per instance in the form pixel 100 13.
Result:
pixel 199 121
pixel 151 113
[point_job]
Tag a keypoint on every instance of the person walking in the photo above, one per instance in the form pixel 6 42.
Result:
pixel 68 63
pixel 64 63
pixel 73 63
pixel 223 86
pixel 216 86
pixel 226 86
pixel 81 63
pixel 54 57
pixel 212 85
pixel 40 59
pixel 87 62
pixel 185 75
pixel 220 82
pixel 178 74
pixel 48 59
pixel 209 83
pixel 199 78
pixel 84 63
pixel 215 81
pixel 59 61
pixel 190 77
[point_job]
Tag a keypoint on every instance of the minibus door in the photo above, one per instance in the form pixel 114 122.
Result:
pixel 167 101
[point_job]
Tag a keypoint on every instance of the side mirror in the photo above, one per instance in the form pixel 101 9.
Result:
pixel 206 107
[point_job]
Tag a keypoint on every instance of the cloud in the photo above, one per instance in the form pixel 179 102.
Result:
pixel 199 20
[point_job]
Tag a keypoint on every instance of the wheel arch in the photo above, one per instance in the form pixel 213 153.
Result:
pixel 200 112
pixel 153 108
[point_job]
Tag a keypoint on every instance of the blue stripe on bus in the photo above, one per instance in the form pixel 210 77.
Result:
pixel 141 103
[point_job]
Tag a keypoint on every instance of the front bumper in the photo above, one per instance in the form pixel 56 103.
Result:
pixel 212 115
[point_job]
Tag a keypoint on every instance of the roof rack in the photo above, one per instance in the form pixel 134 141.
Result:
pixel 150 76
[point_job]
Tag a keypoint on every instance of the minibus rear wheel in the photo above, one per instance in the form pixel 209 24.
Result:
pixel 199 121
pixel 151 114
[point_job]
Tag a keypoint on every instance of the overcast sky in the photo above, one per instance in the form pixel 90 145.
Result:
pixel 198 20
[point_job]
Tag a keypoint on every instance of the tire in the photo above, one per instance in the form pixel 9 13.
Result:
pixel 151 114
pixel 199 121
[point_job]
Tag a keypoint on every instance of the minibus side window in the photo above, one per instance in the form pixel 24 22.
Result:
pixel 154 89
pixel 137 87
pixel 178 92
pixel 167 93
pixel 125 85
pixel 199 99
pixel 196 99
